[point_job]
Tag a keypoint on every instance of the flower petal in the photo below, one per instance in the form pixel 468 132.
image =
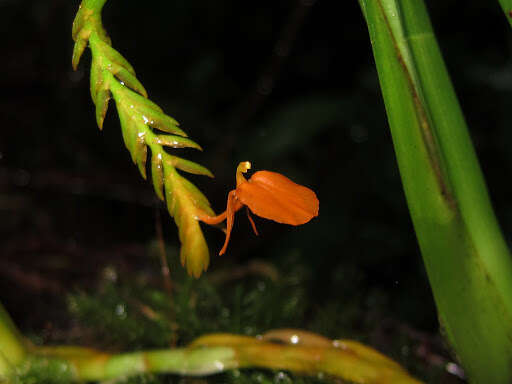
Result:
pixel 275 197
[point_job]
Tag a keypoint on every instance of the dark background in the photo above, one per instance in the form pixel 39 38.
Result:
pixel 72 203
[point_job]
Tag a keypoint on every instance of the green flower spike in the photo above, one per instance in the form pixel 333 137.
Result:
pixel 144 124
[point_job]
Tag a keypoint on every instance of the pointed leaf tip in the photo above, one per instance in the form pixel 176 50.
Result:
pixel 189 166
pixel 78 50
pixel 194 253
pixel 129 79
pixel 102 99
pixel 175 141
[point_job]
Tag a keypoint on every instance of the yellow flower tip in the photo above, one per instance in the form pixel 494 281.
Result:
pixel 243 167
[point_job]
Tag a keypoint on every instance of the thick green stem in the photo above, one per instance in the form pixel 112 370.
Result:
pixel 467 261
pixel 12 348
pixel 215 353
pixel 89 365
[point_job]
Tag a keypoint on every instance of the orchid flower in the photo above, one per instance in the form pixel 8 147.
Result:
pixel 269 195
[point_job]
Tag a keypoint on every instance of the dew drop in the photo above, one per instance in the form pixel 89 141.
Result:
pixel 282 378
pixel 121 311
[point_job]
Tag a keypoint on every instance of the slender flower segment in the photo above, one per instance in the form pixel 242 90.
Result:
pixel 269 195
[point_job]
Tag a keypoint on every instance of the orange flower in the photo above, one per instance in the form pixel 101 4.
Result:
pixel 269 195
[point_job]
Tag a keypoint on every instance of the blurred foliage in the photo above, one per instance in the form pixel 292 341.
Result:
pixel 132 313
pixel 42 371
pixel 73 206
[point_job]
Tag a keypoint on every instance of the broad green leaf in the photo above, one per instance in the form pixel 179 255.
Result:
pixel 467 260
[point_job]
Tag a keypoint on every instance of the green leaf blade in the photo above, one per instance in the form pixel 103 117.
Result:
pixel 467 261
